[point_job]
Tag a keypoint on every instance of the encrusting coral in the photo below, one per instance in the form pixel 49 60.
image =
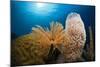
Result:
pixel 34 48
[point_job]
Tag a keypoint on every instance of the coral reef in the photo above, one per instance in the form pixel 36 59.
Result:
pixel 56 45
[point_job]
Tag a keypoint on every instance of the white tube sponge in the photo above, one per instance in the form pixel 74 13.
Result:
pixel 75 37
pixel 75 27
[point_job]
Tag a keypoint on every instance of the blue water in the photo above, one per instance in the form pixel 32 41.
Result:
pixel 25 15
